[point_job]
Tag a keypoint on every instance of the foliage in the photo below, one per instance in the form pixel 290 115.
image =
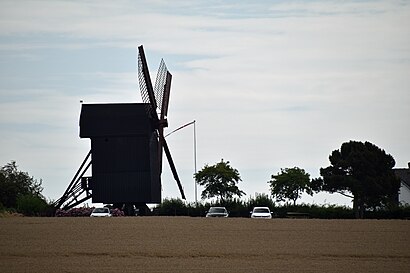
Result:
pixel 315 211
pixel 32 205
pixel 21 192
pixel 172 207
pixel 260 200
pixel 177 207
pixel 241 208
pixel 363 170
pixel 84 212
pixel 289 184
pixel 236 207
pixel 74 212
pixel 220 180
pixel 117 212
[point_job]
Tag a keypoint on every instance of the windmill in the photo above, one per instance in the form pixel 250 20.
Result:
pixel 127 144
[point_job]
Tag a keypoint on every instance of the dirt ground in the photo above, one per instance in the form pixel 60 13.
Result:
pixel 183 244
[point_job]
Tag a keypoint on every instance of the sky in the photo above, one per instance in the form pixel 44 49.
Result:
pixel 270 84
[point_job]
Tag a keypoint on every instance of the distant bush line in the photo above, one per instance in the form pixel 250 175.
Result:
pixel 241 208
pixel 236 208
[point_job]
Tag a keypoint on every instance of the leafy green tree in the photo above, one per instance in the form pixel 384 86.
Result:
pixel 363 172
pixel 289 184
pixel 15 183
pixel 220 180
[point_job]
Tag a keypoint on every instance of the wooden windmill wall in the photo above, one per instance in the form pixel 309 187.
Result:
pixel 124 149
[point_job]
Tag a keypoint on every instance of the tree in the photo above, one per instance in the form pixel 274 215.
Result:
pixel 15 184
pixel 289 184
pixel 220 180
pixel 363 172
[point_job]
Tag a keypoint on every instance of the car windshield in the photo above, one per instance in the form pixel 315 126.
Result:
pixel 101 210
pixel 261 210
pixel 217 210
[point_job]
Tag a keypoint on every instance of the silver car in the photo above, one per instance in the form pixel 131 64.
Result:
pixel 217 212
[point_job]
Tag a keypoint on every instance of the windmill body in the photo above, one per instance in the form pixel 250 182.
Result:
pixel 124 153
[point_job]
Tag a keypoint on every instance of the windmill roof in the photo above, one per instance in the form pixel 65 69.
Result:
pixel 114 119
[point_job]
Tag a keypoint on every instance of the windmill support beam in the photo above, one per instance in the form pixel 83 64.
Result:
pixel 74 190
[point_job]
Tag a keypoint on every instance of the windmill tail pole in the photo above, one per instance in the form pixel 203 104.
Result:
pixel 183 126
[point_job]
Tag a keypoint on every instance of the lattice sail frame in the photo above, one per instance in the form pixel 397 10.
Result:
pixel 144 88
pixel 159 87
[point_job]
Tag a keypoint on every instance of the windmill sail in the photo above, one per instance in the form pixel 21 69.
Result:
pixel 149 96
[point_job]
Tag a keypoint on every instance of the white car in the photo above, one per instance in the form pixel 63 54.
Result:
pixel 261 212
pixel 101 212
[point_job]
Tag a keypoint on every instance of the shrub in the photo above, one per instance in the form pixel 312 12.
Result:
pixel 239 208
pixel 173 207
pixel 117 212
pixel 32 205
pixel 84 212
pixel 74 212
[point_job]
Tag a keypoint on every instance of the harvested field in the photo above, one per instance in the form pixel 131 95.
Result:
pixel 183 244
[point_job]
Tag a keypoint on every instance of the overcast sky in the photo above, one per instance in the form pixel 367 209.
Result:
pixel 271 84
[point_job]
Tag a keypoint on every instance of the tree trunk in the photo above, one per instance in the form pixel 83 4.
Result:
pixel 358 207
pixel 361 209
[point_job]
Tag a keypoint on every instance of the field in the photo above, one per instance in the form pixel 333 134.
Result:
pixel 183 244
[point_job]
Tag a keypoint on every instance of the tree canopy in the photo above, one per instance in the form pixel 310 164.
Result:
pixel 289 184
pixel 362 171
pixel 17 189
pixel 220 180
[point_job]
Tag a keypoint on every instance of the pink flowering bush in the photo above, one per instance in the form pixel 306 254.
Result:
pixel 117 212
pixel 84 212
pixel 74 212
